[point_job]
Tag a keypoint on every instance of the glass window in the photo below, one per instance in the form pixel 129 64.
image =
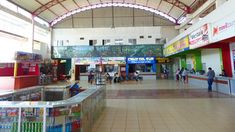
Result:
pixel 36 45
pixel 39 20
pixel 24 13
pixel 132 41
pixel 8 5
pixel 106 42
pixel 118 41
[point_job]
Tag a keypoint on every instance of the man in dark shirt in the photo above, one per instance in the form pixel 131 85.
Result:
pixel 211 75
pixel 74 89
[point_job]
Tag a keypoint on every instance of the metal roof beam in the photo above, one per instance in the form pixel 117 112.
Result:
pixel 76 3
pixel 179 4
pixel 63 6
pixel 46 6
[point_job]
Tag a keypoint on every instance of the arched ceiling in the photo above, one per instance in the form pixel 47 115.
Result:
pixel 55 10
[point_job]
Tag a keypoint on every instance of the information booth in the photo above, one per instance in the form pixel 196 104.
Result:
pixel 144 65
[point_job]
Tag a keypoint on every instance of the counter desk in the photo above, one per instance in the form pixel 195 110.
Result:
pixel 77 113
pixel 220 84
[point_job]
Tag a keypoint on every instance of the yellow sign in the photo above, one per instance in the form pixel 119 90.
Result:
pixel 162 60
pixel 178 46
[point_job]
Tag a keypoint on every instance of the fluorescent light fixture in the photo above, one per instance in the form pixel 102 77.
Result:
pixel 8 5
pixel 182 19
pixel 170 18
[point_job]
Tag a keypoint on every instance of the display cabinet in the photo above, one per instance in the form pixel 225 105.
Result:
pixel 75 114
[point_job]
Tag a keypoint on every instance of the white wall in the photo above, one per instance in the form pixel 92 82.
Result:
pixel 125 33
pixel 13 24
pixel 222 11
pixel 189 60
pixel 169 32
pixel 212 59
pixel 232 47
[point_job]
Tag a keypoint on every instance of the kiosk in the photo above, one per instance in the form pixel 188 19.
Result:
pixel 20 73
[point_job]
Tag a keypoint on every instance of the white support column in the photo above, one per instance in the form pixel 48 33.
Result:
pixel 32 34
pixel 19 120
pixel 44 119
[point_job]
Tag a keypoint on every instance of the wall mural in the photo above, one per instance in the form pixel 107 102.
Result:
pixel 106 51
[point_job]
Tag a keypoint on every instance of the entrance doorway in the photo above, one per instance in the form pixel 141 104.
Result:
pixel 77 72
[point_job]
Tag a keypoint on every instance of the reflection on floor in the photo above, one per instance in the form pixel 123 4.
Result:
pixel 165 106
pixel 163 94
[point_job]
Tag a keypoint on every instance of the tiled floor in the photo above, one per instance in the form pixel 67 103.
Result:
pixel 165 114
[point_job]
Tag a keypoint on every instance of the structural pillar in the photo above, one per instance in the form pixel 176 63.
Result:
pixel 198 60
pixel 127 71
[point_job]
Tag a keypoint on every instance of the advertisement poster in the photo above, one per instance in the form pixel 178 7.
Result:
pixel 200 37
pixel 106 51
pixel 177 47
pixel 27 57
pixel 223 29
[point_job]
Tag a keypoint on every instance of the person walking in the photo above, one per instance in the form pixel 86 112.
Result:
pixel 177 75
pixel 90 77
pixel 185 75
pixel 210 78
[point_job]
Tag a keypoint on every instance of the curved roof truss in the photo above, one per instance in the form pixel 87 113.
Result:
pixel 95 6
pixel 54 10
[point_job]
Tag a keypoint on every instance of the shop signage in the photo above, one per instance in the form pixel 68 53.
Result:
pixel 27 57
pixel 178 46
pixel 98 60
pixel 200 37
pixel 162 60
pixel 223 29
pixel 141 60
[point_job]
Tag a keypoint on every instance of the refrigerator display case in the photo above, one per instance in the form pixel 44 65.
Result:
pixel 75 114
pixel 27 94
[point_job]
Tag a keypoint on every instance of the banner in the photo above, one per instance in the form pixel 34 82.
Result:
pixel 178 46
pixel 223 29
pixel 106 51
pixel 162 60
pixel 140 60
pixel 200 37
pixel 27 57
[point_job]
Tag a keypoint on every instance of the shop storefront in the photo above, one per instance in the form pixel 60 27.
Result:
pixel 143 65
pixel 21 73
pixel 176 51
pixel 103 64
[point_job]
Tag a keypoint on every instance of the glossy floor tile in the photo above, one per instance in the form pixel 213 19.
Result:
pixel 165 106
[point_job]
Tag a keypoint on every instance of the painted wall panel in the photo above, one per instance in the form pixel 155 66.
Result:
pixel 211 57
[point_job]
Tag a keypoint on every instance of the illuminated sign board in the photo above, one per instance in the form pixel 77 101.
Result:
pixel 162 60
pixel 141 60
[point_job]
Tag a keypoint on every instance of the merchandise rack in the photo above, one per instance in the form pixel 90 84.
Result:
pixel 77 113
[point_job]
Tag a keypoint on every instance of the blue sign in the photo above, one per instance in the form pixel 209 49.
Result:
pixel 140 60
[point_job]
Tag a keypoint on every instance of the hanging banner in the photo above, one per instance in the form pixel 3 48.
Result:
pixel 177 47
pixel 106 51
pixel 200 37
pixel 223 29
